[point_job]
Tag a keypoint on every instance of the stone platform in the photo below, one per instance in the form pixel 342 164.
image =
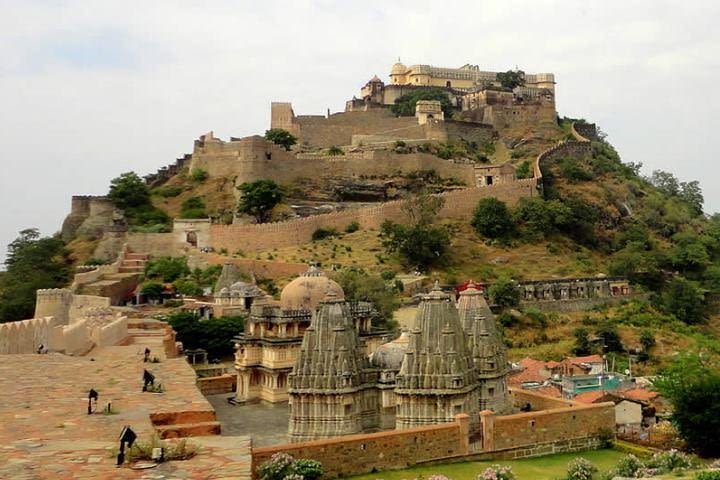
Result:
pixel 45 431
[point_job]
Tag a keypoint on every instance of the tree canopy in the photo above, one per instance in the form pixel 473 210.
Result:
pixel 405 105
pixel 214 335
pixel 33 262
pixel 361 286
pixel 511 78
pixel 259 198
pixel 130 193
pixel 281 137
pixel 692 384
pixel 492 218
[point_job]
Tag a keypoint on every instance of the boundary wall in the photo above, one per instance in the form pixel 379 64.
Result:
pixel 294 232
pixel 554 426
pixel 91 276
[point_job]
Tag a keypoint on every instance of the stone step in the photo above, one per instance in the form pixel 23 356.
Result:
pixel 137 256
pixel 201 429
pixel 131 269
pixel 130 263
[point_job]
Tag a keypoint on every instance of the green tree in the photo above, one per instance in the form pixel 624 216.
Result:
pixel 692 385
pixel 129 191
pixel 538 218
pixel 259 198
pixel 582 341
pixel 405 105
pixel 523 170
pixel 281 137
pixel 152 290
pixel 608 334
pixel 186 286
pixel 420 243
pixel 361 286
pixel 492 218
pixel 33 262
pixel 686 300
pixel 214 335
pixel 511 78
pixel 505 293
pixel 167 269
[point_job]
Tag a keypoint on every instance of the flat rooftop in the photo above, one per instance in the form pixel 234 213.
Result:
pixel 45 431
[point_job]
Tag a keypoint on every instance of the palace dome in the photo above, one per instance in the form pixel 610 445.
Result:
pixel 398 69
pixel 308 290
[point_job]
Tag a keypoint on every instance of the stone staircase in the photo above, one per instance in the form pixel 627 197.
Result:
pixel 117 285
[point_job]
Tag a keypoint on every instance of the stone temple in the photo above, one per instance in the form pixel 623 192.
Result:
pixel 442 367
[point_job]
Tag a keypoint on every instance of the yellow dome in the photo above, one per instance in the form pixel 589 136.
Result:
pixel 398 69
pixel 308 290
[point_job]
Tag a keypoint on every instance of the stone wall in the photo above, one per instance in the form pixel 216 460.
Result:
pixel 364 453
pixel 551 424
pixel 459 203
pixel 54 302
pixel 75 339
pixel 82 303
pixel 111 334
pixel 584 132
pixel 215 385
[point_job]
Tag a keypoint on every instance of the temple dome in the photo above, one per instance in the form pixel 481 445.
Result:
pixel 308 290
pixel 389 356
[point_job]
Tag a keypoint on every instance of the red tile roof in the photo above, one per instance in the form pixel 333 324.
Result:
pixel 589 397
pixel 549 390
pixel 585 359
pixel 531 372
pixel 639 394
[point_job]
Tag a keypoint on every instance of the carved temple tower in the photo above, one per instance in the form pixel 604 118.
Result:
pixel 437 379
pixel 488 349
pixel 332 388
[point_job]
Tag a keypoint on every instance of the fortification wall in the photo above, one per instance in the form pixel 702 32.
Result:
pixel 358 454
pixel 25 336
pixel 75 339
pixel 260 268
pixel 502 116
pixel 96 274
pixel 156 244
pixel 111 334
pixel 54 302
pixel 584 132
pixel 294 232
pixel 82 303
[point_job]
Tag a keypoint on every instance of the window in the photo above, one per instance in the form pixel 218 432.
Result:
pixel 448 84
pixel 488 180
pixel 491 391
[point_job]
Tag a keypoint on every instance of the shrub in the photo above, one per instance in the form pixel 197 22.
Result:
pixel 308 469
pixel 387 275
pixel 714 475
pixel 282 466
pixel 193 207
pixel 671 461
pixel 322 233
pixel 187 287
pixel 152 290
pixel 96 261
pixel 198 175
pixel 179 450
pixel 580 469
pixel 497 472
pixel 352 227
pixel 168 191
pixel 523 170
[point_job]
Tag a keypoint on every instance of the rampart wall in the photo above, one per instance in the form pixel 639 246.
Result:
pixel 583 132
pixel 75 339
pixel 111 334
pixel 294 232
pixel 358 454
pixel 84 278
pixel 25 336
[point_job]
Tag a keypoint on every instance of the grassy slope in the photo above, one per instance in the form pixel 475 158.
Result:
pixel 544 468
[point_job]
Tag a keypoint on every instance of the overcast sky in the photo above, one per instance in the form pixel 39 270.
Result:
pixel 91 89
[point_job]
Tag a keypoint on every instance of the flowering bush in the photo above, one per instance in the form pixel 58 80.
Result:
pixel 628 466
pixel 282 466
pixel 497 472
pixel 437 477
pixel 670 461
pixel 580 469
pixel 277 468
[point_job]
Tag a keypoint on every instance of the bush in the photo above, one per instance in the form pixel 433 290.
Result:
pixel 573 171
pixel 193 207
pixel 322 233
pixel 686 300
pixel 168 191
pixel 282 466
pixel 96 261
pixel 352 227
pixel 492 218
pixel 714 475
pixel 187 287
pixel 198 175
pixel 523 170
pixel 179 450
pixel 497 472
pixel 580 469
pixel 405 105
pixel 671 461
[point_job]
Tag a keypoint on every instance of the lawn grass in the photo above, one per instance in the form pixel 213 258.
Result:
pixel 550 467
